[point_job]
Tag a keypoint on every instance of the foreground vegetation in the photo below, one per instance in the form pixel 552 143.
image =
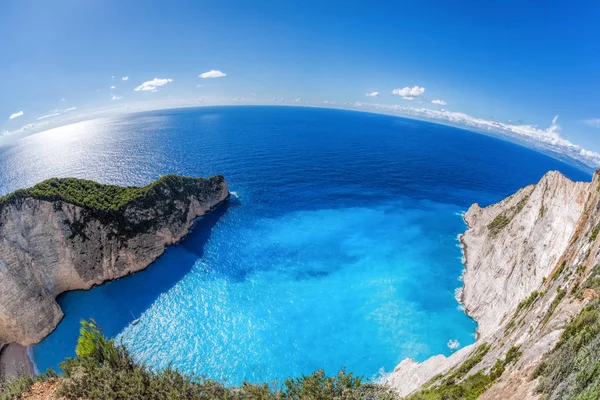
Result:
pixel 572 369
pixel 104 370
pixel 457 384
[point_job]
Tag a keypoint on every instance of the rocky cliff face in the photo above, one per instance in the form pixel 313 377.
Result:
pixel 49 245
pixel 525 258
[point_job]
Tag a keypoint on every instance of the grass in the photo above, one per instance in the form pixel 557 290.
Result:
pixel 105 370
pixel 456 386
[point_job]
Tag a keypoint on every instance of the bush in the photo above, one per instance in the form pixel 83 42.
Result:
pixel 455 386
pixel 103 369
pixel 572 369
pixel 98 197
pixel 13 388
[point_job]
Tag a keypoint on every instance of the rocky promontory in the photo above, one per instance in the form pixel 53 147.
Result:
pixel 68 234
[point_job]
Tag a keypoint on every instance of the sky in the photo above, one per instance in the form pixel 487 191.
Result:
pixel 527 69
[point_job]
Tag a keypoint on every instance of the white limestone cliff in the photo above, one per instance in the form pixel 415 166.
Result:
pixel 522 244
pixel 48 247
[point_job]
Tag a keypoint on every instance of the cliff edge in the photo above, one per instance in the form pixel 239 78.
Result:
pixel 527 261
pixel 68 234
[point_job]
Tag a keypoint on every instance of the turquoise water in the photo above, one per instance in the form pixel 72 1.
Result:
pixel 338 248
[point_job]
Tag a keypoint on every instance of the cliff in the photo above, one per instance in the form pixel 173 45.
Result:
pixel 68 234
pixel 528 263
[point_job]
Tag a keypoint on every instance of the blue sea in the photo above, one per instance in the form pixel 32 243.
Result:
pixel 338 246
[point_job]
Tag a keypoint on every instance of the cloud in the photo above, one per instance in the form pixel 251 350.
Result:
pixel 593 122
pixel 152 85
pixel 48 116
pixel 114 97
pixel 373 94
pixel 125 78
pixel 439 102
pixel 548 139
pixel 213 73
pixel 408 93
pixel 113 87
pixel 16 115
pixel 70 109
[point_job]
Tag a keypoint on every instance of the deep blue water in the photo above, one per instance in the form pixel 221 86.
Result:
pixel 339 248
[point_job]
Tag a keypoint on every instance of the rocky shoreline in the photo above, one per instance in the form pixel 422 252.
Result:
pixel 520 254
pixel 73 234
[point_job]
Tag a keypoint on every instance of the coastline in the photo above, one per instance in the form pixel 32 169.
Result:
pixel 15 361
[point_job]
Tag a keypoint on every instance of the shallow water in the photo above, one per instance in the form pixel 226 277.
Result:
pixel 339 249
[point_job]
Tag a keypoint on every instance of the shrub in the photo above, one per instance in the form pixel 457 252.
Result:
pixel 103 369
pixel 572 369
pixel 456 386
pixel 99 197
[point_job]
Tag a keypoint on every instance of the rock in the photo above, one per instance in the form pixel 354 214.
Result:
pixel 544 238
pixel 49 245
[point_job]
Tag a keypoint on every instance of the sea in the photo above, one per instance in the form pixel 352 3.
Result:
pixel 338 246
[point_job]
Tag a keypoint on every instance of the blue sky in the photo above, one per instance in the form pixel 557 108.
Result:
pixel 516 63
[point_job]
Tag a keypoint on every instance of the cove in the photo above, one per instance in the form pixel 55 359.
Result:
pixel 339 248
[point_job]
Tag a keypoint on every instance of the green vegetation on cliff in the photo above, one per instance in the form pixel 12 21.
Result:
pixel 457 385
pixel 572 369
pixel 503 219
pixel 99 197
pixel 105 370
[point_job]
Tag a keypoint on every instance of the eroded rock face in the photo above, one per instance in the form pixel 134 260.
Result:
pixel 48 247
pixel 511 246
pixel 544 238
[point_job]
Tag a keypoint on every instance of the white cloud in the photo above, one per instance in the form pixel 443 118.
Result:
pixel 548 139
pixel 48 116
pixel 453 344
pixel 373 94
pixel 213 73
pixel 409 93
pixel 152 85
pixel 70 109
pixel 114 97
pixel 593 122
pixel 439 102
pixel 16 115
pixel 113 87
pixel 125 78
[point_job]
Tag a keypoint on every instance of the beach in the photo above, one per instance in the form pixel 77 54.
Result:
pixel 15 362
